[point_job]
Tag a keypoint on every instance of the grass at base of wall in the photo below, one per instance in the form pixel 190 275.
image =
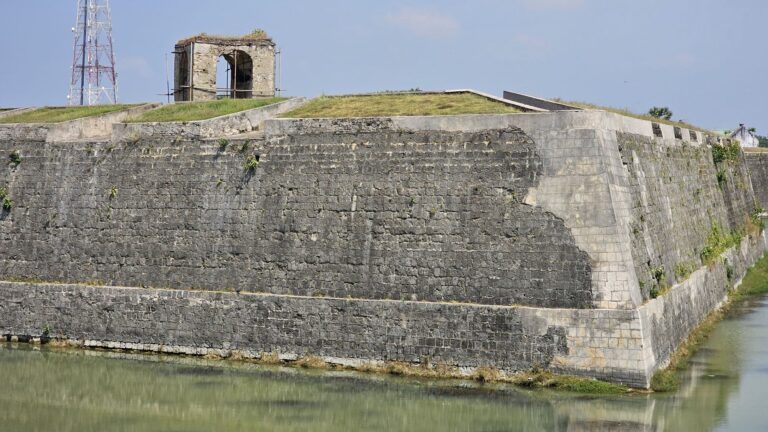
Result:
pixel 61 114
pixel 399 104
pixel 193 111
pixel 754 283
pixel 533 379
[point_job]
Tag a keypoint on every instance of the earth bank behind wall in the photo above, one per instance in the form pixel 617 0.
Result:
pixel 383 214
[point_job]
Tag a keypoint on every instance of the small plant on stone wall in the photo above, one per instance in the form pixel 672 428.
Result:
pixel 718 242
pixel 728 151
pixel 756 218
pixel 133 138
pixel 661 286
pixel 113 192
pixel 5 199
pixel 722 178
pixel 683 270
pixel 251 163
pixel 15 158
pixel 245 146
pixel 258 33
pixel 223 143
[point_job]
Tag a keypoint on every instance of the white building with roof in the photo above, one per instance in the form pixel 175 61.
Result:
pixel 745 137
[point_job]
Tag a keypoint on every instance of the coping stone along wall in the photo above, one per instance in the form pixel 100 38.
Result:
pixel 86 128
pixel 226 125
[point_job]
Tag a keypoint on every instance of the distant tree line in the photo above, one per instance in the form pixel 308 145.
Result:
pixel 762 140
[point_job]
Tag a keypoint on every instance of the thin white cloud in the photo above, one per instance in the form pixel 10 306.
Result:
pixel 531 42
pixel 553 4
pixel 425 23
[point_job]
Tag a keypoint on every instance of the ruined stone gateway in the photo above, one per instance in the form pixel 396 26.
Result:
pixel 250 60
pixel 571 240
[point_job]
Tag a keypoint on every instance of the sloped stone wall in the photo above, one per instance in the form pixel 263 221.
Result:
pixel 757 162
pixel 678 195
pixel 428 215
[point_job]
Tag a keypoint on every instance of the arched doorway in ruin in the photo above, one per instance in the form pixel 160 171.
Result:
pixel 234 75
pixel 183 85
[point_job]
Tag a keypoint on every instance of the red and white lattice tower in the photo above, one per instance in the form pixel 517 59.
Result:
pixel 94 79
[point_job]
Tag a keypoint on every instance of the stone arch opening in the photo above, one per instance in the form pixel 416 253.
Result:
pixel 183 83
pixel 234 75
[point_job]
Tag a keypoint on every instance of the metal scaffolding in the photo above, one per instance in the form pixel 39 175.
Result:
pixel 94 79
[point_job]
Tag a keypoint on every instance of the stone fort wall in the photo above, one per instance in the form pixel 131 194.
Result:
pixel 510 241
pixel 757 163
pixel 425 215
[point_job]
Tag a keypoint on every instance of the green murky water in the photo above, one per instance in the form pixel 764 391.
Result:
pixel 51 390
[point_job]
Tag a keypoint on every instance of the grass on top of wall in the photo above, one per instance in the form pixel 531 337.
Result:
pixel 628 113
pixel 399 104
pixel 193 111
pixel 61 114
pixel 754 283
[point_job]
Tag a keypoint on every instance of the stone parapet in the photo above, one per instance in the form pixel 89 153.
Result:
pixel 87 128
pixel 222 126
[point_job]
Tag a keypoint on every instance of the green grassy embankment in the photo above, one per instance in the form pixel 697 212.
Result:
pixel 193 111
pixel 61 114
pixel 399 104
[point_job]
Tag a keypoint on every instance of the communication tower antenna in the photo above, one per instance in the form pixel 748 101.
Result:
pixel 94 79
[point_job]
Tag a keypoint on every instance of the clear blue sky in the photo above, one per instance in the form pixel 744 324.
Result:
pixel 705 59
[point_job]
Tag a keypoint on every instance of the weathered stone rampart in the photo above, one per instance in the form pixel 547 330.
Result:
pixel 757 163
pixel 384 215
pixel 510 241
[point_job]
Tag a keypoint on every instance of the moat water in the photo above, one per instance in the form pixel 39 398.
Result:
pixel 726 389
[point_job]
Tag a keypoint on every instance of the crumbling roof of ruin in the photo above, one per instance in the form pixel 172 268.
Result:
pixel 260 38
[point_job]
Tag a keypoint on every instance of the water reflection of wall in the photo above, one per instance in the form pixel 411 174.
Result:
pixel 121 384
pixel 701 403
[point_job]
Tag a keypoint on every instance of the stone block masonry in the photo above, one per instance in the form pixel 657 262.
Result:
pixel 392 215
pixel 509 241
pixel 757 163
pixel 347 330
